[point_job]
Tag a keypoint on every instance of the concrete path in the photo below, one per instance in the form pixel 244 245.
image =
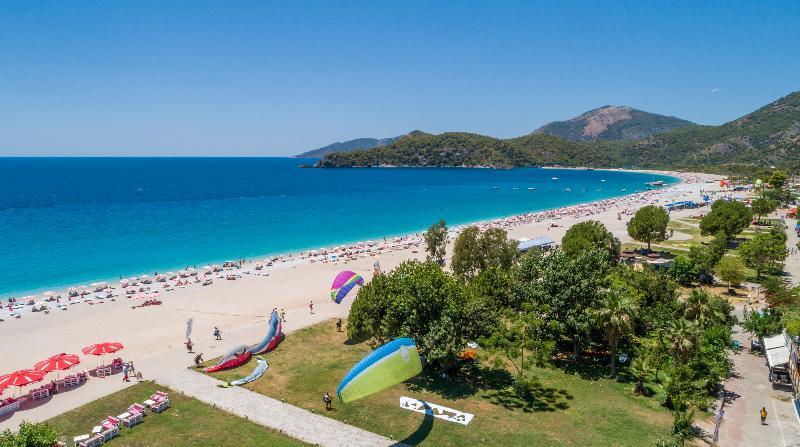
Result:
pixel 792 263
pixel 293 421
pixel 746 392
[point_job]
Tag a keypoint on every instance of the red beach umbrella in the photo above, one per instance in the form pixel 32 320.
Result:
pixel 107 347
pixel 58 362
pixel 21 378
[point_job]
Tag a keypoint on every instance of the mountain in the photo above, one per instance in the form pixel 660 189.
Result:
pixel 770 136
pixel 612 123
pixel 347 146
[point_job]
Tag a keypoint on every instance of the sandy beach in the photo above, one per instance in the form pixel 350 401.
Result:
pixel 153 336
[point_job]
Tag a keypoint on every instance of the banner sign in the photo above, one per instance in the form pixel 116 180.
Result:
pixel 189 323
pixel 436 411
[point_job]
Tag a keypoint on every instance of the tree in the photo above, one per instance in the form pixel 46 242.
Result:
pixel 649 224
pixel 421 301
pixel 682 335
pixel 466 253
pixel 515 337
pixel 762 324
pixel 474 252
pixel 702 309
pixel 764 252
pixel 30 435
pixel 590 235
pixel 683 270
pixel 763 206
pixel 562 289
pixel 706 257
pixel 616 312
pixel 436 242
pixel 778 179
pixel 639 369
pixel 728 216
pixel 731 270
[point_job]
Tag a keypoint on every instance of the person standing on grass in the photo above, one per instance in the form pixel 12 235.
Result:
pixel 283 315
pixel 328 401
pixel 311 307
pixel 763 416
pixel 339 325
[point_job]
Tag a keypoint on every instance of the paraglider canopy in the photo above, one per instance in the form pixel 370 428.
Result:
pixel 392 363
pixel 343 284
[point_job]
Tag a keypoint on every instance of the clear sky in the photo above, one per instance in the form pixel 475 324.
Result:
pixel 276 78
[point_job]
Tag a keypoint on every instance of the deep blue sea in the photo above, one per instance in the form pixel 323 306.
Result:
pixel 69 221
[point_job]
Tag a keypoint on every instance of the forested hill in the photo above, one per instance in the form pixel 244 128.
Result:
pixel 767 137
pixel 613 123
pixel 347 146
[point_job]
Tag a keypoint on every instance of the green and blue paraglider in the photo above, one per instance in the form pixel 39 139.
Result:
pixel 392 363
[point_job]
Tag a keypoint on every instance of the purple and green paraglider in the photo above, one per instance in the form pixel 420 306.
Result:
pixel 343 284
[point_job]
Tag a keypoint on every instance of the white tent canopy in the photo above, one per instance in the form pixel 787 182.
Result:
pixel 776 341
pixel 777 356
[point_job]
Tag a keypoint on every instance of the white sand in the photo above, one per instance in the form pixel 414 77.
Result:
pixel 153 336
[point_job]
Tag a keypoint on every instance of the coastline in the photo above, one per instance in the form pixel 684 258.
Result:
pixel 61 288
pixel 153 336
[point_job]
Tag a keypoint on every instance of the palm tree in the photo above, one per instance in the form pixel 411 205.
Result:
pixel 682 335
pixel 615 315
pixel 701 310
pixel 639 369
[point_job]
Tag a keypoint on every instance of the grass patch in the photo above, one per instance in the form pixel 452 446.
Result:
pixel 571 406
pixel 188 422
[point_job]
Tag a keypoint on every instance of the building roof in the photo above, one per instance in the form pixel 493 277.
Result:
pixel 778 356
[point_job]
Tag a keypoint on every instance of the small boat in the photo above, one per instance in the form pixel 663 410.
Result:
pixel 531 189
pixel 567 190
pixel 655 183
pixel 495 187
pixel 602 180
pixel 599 189
pixel 515 188
pixel 554 178
pixel 624 189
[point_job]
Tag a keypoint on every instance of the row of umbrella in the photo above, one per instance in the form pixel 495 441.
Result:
pixel 58 362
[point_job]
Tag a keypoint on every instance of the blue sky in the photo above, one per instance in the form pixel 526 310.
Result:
pixel 276 78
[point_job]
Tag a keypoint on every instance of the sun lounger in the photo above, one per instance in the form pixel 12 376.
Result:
pixel 137 408
pixel 110 434
pixel 131 419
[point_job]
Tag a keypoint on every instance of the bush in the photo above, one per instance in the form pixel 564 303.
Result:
pixel 683 270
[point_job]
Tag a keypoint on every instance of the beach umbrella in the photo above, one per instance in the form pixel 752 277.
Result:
pixel 21 378
pixel 107 347
pixel 58 362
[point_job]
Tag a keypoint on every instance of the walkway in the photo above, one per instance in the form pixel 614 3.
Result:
pixel 746 392
pixel 792 263
pixel 293 421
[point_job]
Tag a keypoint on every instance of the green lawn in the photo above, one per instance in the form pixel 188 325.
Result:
pixel 571 407
pixel 188 422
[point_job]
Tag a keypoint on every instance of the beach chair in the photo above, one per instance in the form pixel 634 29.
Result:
pixel 131 419
pixel 137 408
pixel 159 405
pixel 94 441
pixel 109 434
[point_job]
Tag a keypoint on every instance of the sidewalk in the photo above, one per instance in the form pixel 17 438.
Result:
pixel 746 392
pixel 293 421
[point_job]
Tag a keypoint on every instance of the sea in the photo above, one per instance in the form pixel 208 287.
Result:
pixel 70 221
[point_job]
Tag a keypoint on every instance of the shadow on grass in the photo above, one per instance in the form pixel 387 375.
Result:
pixel 468 381
pixel 421 433
pixel 539 398
pixel 586 368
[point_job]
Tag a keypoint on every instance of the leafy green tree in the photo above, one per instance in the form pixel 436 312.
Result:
pixel 649 225
pixel 763 206
pixel 706 257
pixel 639 369
pixel 30 435
pixel 617 308
pixel 562 289
pixel 762 324
pixel 421 301
pixel 474 251
pixel 728 216
pixel 515 340
pixel 494 286
pixel 590 235
pixel 467 253
pixel 682 335
pixel 731 270
pixel 659 297
pixel 765 252
pixel 436 242
pixel 683 270
pixel 702 308
pixel 778 179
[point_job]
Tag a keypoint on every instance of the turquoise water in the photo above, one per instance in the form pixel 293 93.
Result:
pixel 68 221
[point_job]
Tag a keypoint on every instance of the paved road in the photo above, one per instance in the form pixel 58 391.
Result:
pixel 293 421
pixel 792 265
pixel 746 392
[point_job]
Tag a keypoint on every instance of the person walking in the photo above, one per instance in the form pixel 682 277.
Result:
pixel 189 345
pixel 125 372
pixel 283 315
pixel 339 325
pixel 311 307
pixel 763 416
pixel 217 333
pixel 328 401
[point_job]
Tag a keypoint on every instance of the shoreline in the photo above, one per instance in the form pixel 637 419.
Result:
pixel 61 289
pixel 153 336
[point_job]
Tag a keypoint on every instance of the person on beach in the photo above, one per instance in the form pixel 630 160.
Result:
pixel 189 345
pixel 198 359
pixel 763 416
pixel 311 307
pixel 131 368
pixel 217 333
pixel 339 325
pixel 328 401
pixel 125 372
pixel 283 315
